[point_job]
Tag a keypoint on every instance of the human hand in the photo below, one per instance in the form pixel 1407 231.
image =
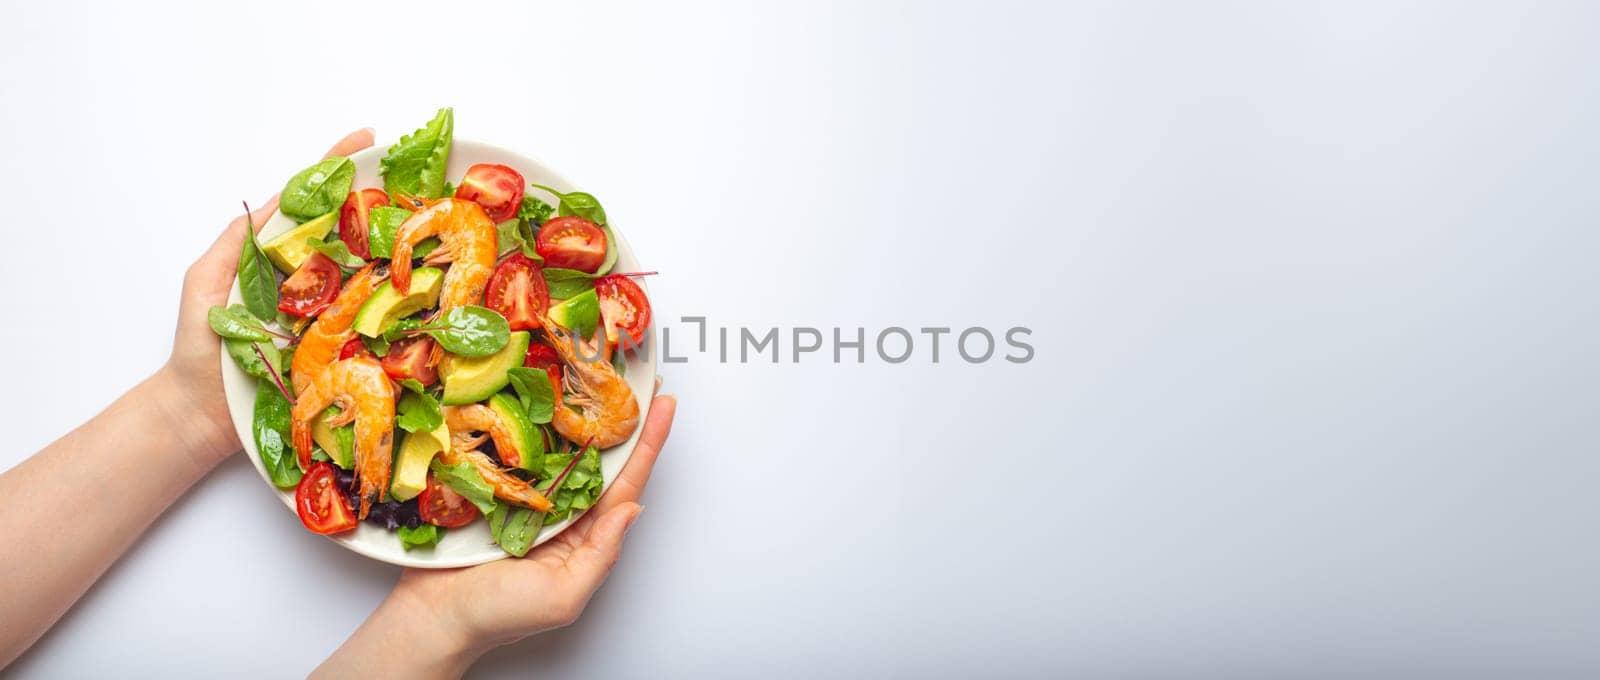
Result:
pixel 191 381
pixel 438 621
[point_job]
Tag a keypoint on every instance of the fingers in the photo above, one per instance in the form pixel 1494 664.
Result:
pixel 631 481
pixel 593 560
pixel 353 142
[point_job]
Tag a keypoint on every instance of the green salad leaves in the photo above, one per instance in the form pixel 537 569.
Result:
pixel 270 427
pixel 416 164
pixel 581 487
pixel 418 411
pixel 318 190
pixel 382 223
pixel 515 528
pixel 466 481
pixel 258 281
pixel 534 390
pixel 471 331
pixel 420 536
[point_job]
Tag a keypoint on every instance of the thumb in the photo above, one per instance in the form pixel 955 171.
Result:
pixel 593 560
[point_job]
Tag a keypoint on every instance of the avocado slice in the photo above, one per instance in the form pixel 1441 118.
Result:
pixel 579 313
pixel 336 441
pixel 411 464
pixel 289 250
pixel 472 379
pixel 530 444
pixel 387 305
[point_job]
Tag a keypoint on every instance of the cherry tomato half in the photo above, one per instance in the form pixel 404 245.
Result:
pixel 545 357
pixel 495 187
pixel 353 219
pixel 311 288
pixel 571 242
pixel 517 290
pixel 623 306
pixel 440 505
pixel 320 502
pixel 352 348
pixel 416 357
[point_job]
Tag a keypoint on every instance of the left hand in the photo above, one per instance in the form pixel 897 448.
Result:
pixel 191 381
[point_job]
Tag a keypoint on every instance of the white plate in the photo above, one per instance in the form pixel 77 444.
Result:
pixel 472 544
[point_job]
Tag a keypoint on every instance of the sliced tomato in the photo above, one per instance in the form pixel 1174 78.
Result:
pixel 440 505
pixel 545 357
pixel 495 187
pixel 311 288
pixel 352 348
pixel 416 357
pixel 320 502
pixel 624 307
pixel 571 242
pixel 517 290
pixel 353 219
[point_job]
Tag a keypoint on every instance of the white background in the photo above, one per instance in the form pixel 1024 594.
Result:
pixel 1311 286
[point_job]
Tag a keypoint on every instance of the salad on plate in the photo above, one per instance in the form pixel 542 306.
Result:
pixel 427 354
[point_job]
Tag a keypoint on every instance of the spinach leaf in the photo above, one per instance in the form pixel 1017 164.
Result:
pixel 533 389
pixel 579 490
pixel 416 164
pixel 577 203
pixel 420 536
pixel 567 283
pixel 466 481
pixel 472 331
pixel 418 410
pixel 534 211
pixel 318 190
pixel 382 222
pixel 515 528
pixel 236 323
pixel 423 249
pixel 509 237
pixel 258 281
pixel 244 354
pixel 337 251
pixel 270 427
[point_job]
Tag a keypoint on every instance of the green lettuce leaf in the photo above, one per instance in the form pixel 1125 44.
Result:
pixel 466 481
pixel 420 536
pixel 416 164
pixel 580 489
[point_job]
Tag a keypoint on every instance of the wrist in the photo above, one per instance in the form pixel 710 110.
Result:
pixel 202 427
pixel 405 637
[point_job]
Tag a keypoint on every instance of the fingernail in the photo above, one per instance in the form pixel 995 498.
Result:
pixel 659 381
pixel 370 131
pixel 633 519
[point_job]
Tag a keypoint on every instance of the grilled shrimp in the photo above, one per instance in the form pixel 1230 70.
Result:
pixel 320 345
pixel 480 418
pixel 505 485
pixel 365 395
pixel 607 412
pixel 467 240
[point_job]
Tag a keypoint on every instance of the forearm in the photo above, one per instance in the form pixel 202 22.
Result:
pixel 73 508
pixel 402 639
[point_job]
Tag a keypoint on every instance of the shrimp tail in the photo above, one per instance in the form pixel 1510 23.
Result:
pixel 300 435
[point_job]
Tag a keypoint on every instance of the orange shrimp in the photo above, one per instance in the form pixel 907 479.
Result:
pixel 607 412
pixel 365 395
pixel 505 485
pixel 327 335
pixel 467 240
pixel 480 418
